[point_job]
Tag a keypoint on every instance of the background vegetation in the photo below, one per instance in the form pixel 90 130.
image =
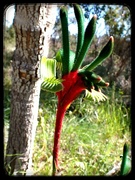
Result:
pixel 93 133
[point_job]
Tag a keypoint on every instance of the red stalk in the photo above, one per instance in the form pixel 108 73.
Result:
pixel 73 86
pixel 59 119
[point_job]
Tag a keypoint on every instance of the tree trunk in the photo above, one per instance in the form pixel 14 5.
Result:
pixel 33 24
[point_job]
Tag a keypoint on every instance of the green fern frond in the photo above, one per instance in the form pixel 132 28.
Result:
pixel 95 95
pixel 52 85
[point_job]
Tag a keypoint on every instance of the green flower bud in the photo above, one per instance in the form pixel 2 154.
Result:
pixel 105 53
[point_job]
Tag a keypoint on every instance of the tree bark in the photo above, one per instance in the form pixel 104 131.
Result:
pixel 33 24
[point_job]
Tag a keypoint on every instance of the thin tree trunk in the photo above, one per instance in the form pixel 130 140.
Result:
pixel 33 24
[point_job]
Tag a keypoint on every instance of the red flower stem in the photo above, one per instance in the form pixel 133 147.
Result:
pixel 59 119
pixel 73 86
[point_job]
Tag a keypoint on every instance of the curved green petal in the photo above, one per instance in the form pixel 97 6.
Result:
pixel 88 37
pixel 52 85
pixel 48 68
pixel 105 53
pixel 80 23
pixel 59 58
pixel 95 95
pixel 65 39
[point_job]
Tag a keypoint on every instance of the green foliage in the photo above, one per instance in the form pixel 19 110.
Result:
pixel 8 45
pixel 117 17
pixel 9 34
pixel 126 161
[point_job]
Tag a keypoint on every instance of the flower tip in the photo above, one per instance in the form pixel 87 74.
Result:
pixel 107 84
pixel 95 16
pixel 63 10
pixel 92 87
pixel 99 79
pixel 112 38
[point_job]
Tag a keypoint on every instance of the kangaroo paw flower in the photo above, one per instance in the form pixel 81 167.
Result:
pixel 73 80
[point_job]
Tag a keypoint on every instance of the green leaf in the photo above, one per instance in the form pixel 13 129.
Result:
pixel 52 85
pixel 48 68
pixel 126 162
